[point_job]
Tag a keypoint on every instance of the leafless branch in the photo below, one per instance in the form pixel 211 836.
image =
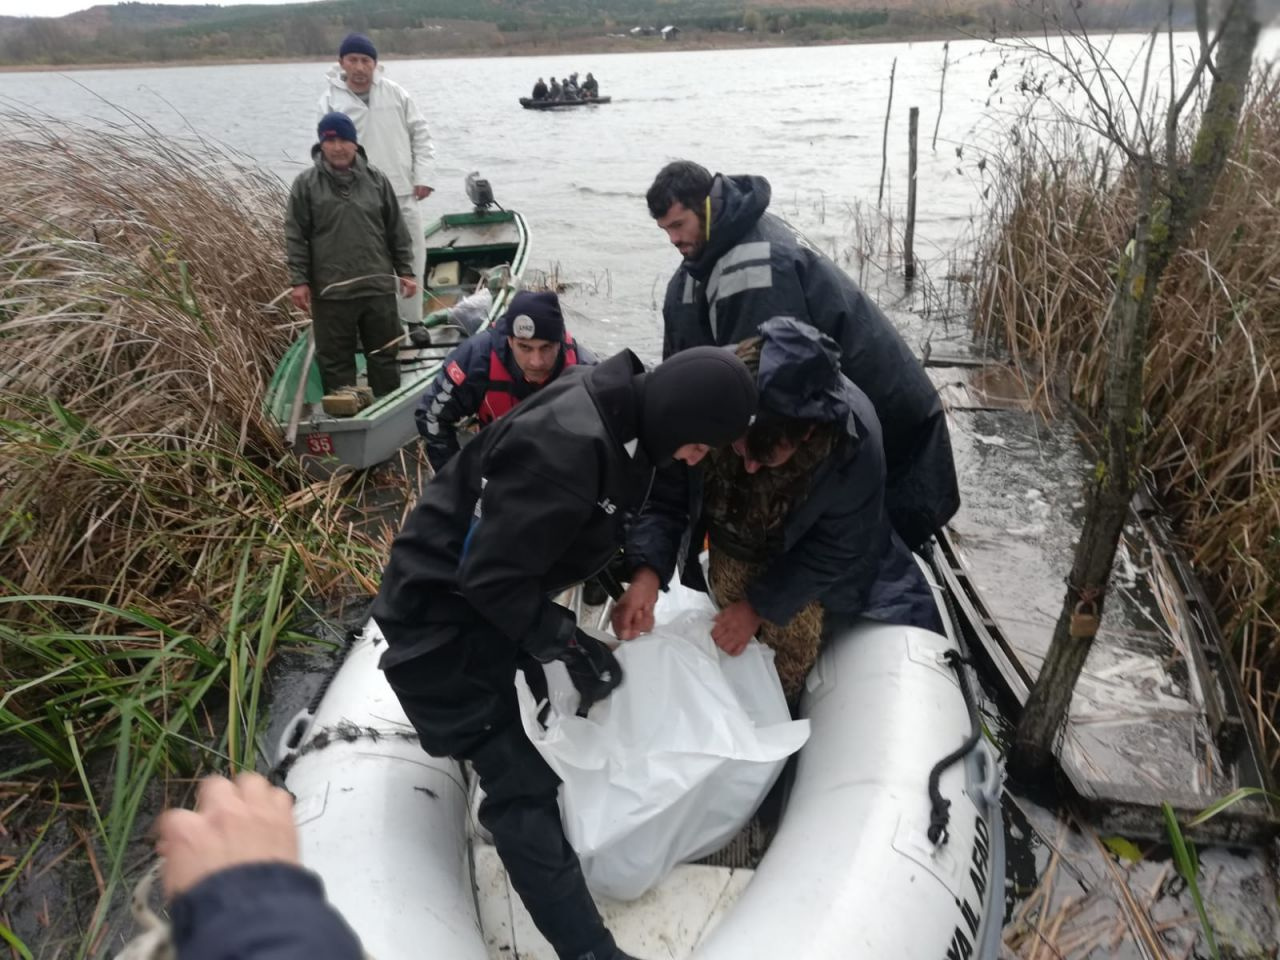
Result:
pixel 1103 58
pixel 1142 94
pixel 1109 119
pixel 1193 84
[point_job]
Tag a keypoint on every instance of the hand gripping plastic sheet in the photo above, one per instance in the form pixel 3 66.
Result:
pixel 674 763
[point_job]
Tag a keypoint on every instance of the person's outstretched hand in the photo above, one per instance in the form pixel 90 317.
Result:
pixel 633 613
pixel 734 626
pixel 248 821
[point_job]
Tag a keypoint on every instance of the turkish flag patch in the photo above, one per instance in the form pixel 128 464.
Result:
pixel 455 372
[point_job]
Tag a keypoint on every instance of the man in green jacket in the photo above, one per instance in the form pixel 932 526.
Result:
pixel 348 249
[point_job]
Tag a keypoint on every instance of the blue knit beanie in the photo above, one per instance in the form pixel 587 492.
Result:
pixel 357 43
pixel 336 126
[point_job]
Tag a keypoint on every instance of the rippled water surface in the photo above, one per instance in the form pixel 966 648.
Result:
pixel 812 120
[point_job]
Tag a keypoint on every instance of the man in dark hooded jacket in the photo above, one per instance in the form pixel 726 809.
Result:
pixel 489 373
pixel 742 266
pixel 536 503
pixel 794 514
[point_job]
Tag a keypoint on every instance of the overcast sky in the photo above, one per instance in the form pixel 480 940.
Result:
pixel 56 8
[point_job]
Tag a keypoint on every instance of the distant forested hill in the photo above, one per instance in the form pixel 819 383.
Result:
pixel 128 32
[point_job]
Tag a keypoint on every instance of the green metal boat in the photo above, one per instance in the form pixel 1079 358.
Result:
pixel 465 251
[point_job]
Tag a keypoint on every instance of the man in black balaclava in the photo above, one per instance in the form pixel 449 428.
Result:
pixel 534 504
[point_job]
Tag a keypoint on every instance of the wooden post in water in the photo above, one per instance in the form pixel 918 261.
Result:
pixel 946 47
pixel 908 243
pixel 884 143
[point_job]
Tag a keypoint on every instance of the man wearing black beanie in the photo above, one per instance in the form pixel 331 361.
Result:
pixel 534 504
pixel 349 253
pixel 488 373
pixel 394 134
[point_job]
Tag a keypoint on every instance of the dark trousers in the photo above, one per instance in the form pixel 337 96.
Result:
pixel 461 700
pixel 374 322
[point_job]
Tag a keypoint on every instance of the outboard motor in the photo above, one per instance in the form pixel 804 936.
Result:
pixel 480 192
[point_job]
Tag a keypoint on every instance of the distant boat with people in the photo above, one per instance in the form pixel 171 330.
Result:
pixel 531 104
pixel 570 93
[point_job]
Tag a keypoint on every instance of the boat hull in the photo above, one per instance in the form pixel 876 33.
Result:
pixel 530 104
pixel 474 242
pixel 851 871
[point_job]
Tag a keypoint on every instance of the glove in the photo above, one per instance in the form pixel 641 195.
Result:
pixel 553 635
pixel 593 668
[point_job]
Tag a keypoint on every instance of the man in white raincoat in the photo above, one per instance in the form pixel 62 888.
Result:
pixel 394 135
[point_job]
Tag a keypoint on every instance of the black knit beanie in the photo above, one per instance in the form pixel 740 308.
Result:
pixel 534 316
pixel 702 395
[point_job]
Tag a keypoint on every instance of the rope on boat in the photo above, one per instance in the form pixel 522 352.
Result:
pixel 940 812
pixel 154 939
pixel 940 815
pixel 344 732
pixel 339 658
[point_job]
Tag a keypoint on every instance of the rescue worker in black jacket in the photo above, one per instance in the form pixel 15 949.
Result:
pixel 743 266
pixel 794 514
pixel 488 374
pixel 535 503
pixel 540 90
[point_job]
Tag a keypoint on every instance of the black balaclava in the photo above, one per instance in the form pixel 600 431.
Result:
pixel 703 395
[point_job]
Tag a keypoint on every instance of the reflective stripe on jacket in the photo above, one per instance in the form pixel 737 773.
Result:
pixel 757 266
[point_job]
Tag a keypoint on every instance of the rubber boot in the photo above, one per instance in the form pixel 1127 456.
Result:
pixel 521 812
pixel 573 927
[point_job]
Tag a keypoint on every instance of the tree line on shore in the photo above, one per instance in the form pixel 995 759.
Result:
pixel 134 32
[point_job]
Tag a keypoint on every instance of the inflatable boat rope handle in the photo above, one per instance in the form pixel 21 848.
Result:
pixel 296 729
pixel 940 815
pixel 992 773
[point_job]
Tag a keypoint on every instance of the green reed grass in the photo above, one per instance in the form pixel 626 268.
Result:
pixel 155 537
pixel 1188 866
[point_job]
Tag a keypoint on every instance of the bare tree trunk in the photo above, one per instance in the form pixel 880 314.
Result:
pixel 1168 212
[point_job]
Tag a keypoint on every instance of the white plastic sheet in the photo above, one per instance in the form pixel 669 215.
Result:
pixel 471 311
pixel 674 763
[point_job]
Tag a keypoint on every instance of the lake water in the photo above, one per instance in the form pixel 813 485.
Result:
pixel 812 120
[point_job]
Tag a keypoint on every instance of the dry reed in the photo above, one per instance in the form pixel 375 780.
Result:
pixel 141 313
pixel 1057 224
pixel 155 535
